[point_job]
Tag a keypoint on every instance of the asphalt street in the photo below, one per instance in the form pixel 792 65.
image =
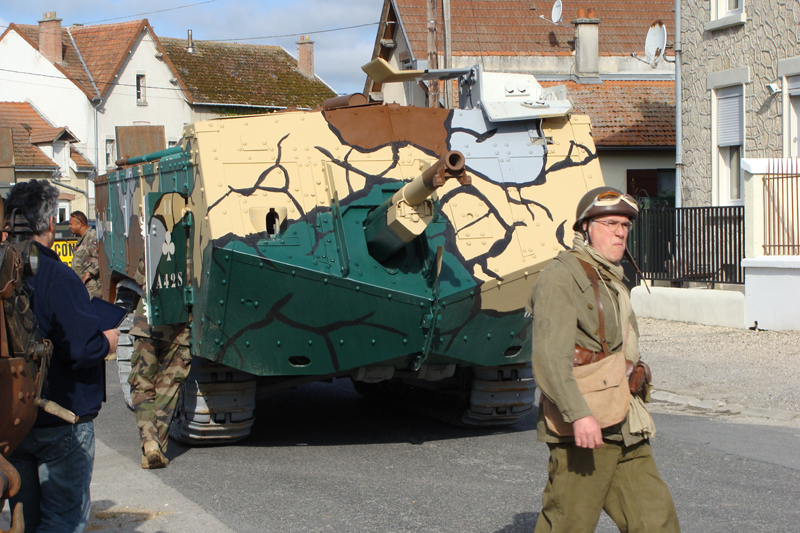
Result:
pixel 322 458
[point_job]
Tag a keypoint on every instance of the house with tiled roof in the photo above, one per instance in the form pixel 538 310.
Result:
pixel 220 75
pixel 95 78
pixel 631 104
pixel 32 148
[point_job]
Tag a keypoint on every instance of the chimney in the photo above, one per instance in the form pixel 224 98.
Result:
pixel 190 43
pixel 305 57
pixel 587 61
pixel 50 37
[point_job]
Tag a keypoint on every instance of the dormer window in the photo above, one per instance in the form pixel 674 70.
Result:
pixel 141 89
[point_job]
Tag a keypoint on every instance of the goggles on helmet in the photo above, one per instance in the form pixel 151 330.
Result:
pixel 610 198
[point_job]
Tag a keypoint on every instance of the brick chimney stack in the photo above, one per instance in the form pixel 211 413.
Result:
pixel 50 37
pixel 305 57
pixel 587 47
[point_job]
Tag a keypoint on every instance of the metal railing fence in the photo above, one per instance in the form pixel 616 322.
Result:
pixel 702 244
pixel 782 208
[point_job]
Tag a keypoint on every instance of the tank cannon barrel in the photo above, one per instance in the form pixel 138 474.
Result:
pixel 404 217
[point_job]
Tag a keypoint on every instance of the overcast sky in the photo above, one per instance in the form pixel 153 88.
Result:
pixel 338 55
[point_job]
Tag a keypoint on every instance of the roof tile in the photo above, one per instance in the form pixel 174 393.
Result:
pixel 490 27
pixel 23 119
pixel 626 113
pixel 244 74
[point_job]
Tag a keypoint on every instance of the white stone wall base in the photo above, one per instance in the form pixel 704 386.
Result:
pixel 772 292
pixel 701 306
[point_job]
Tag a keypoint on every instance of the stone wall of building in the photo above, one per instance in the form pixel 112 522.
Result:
pixel 771 33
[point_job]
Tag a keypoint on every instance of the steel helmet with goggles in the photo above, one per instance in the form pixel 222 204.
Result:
pixel 604 201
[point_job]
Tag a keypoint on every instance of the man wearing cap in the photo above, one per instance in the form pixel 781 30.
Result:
pixel 597 429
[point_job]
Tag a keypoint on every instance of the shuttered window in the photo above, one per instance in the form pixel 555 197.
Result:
pixel 730 116
pixel 794 85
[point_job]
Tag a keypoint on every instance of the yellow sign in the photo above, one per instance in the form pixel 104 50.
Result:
pixel 65 250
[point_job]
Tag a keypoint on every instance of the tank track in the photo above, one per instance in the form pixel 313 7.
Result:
pixel 124 356
pixel 478 397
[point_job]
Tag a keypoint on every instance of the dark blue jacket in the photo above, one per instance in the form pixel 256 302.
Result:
pixel 76 378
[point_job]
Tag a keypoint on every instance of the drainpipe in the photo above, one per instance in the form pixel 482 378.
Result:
pixel 678 109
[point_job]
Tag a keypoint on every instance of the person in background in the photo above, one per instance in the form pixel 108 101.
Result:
pixel 56 459
pixel 84 260
pixel 591 413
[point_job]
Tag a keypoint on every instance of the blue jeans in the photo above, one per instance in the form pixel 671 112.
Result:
pixel 55 464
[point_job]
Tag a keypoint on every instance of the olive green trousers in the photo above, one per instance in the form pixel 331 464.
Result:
pixel 622 481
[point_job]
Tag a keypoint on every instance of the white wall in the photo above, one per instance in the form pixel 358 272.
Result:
pixel 166 105
pixel 616 163
pixel 34 79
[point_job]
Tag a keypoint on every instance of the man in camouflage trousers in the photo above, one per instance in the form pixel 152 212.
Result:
pixel 84 260
pixel 159 366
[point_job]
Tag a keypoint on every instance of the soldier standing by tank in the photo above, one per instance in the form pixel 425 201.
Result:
pixel 159 366
pixel 584 328
pixel 84 260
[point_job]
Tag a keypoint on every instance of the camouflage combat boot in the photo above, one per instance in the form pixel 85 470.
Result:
pixel 152 456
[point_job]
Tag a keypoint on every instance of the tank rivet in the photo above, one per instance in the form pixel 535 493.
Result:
pixel 224 282
pixel 219 322
pixel 278 343
pixel 310 342
pixel 222 302
pixel 488 335
pixel 405 341
pixel 255 303
pixel 373 342
pixel 441 339
pixel 465 337
pixel 341 341
pixel 17 422
pixel 247 343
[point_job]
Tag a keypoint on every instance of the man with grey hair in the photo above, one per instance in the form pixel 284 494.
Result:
pixel 56 459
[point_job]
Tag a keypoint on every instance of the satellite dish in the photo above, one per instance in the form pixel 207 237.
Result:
pixel 555 13
pixel 654 45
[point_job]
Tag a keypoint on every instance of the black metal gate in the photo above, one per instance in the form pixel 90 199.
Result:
pixel 704 244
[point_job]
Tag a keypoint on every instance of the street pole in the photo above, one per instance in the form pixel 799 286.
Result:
pixel 448 54
pixel 433 55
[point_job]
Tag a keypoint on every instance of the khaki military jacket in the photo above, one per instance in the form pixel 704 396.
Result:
pixel 84 260
pixel 564 310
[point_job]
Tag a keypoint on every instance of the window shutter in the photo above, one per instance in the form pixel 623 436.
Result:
pixel 794 85
pixel 730 116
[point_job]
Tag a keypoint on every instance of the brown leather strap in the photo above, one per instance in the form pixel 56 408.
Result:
pixel 595 281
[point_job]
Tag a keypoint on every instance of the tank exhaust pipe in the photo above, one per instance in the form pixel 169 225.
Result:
pixel 404 217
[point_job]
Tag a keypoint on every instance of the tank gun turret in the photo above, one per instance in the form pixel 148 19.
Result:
pixel 404 217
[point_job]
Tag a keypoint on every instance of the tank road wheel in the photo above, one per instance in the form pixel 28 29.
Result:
pixel 500 395
pixel 215 406
pixel 483 396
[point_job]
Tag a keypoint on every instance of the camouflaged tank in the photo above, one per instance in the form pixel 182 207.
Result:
pixel 392 245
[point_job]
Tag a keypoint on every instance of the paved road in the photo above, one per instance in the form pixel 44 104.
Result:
pixel 324 459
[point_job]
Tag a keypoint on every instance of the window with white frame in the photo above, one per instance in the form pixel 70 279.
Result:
pixel 63 212
pixel 141 89
pixel 730 143
pixel 725 8
pixel 110 159
pixel 726 13
pixel 793 87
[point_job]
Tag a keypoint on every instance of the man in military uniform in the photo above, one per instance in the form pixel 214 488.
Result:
pixel 581 308
pixel 84 260
pixel 160 364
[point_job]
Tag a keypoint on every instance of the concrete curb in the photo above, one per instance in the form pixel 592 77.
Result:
pixel 718 407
